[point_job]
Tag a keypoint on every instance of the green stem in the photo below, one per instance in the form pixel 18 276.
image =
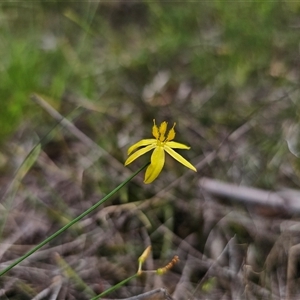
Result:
pixel 54 235
pixel 118 285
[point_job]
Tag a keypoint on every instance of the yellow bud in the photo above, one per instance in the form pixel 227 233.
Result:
pixel 145 255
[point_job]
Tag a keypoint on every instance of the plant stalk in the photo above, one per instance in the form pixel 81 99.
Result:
pixel 54 235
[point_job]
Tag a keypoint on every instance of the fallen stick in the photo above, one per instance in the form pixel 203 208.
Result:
pixel 96 150
pixel 286 200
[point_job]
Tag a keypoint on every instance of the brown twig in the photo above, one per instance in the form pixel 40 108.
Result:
pixel 284 201
pixel 97 151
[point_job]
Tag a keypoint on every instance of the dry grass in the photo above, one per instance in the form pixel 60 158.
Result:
pixel 226 250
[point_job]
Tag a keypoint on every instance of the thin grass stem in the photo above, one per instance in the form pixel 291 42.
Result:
pixel 113 288
pixel 54 235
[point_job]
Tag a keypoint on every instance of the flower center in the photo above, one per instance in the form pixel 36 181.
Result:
pixel 160 133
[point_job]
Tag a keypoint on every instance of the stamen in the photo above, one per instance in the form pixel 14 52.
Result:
pixel 155 131
pixel 171 134
pixel 162 131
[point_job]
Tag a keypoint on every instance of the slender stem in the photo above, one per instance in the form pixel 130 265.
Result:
pixel 118 285
pixel 54 235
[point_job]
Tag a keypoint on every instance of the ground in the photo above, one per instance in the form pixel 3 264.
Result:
pixel 81 82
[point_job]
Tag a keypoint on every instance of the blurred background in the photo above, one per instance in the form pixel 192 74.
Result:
pixel 226 72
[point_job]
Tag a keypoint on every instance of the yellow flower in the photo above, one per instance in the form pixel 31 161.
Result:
pixel 160 144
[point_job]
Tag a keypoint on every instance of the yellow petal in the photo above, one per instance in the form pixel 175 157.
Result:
pixel 138 153
pixel 141 143
pixel 157 163
pixel 176 145
pixel 179 158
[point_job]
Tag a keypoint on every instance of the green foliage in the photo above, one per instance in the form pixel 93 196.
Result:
pixel 67 48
